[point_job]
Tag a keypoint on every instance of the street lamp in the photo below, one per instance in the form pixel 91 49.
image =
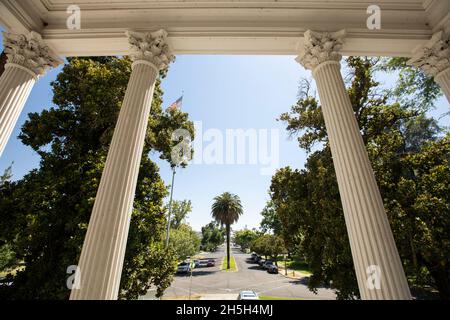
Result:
pixel 170 207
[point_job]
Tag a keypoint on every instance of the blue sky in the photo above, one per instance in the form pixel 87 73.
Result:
pixel 223 92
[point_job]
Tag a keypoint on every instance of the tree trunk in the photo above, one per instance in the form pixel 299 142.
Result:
pixel 228 246
pixel 440 275
pixel 3 59
pixel 441 279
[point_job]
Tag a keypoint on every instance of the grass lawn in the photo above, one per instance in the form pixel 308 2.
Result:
pixel 300 267
pixel 276 298
pixel 232 264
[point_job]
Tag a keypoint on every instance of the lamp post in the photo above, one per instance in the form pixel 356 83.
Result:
pixel 285 265
pixel 170 207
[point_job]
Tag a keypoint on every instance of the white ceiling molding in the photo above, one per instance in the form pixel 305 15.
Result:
pixel 228 27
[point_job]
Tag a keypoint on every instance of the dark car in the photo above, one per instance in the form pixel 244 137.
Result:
pixel 203 263
pixel 266 264
pixel 184 267
pixel 272 269
pixel 211 263
pixel 261 262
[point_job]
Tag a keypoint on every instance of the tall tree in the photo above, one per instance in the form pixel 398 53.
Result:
pixel 45 214
pixel 268 245
pixel 270 222
pixel 180 210
pixel 6 176
pixel 245 237
pixel 184 241
pixel 7 254
pixel 413 87
pixel 212 236
pixel 226 210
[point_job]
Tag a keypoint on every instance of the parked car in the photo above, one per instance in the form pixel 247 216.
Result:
pixel 248 295
pixel 261 262
pixel 272 269
pixel 196 263
pixel 211 263
pixel 258 258
pixel 184 267
pixel 253 256
pixel 202 263
pixel 266 264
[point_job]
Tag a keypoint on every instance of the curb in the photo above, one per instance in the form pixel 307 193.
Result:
pixel 289 275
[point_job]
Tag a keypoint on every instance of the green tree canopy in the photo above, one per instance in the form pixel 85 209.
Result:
pixel 270 222
pixel 245 237
pixel 180 211
pixel 184 241
pixel 268 245
pixel 7 175
pixel 413 87
pixel 212 236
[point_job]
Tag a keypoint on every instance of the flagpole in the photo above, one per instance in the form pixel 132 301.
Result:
pixel 170 207
pixel 171 195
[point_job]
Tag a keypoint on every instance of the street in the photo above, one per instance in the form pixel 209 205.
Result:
pixel 216 284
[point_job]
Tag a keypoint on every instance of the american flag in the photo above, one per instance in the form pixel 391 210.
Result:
pixel 176 105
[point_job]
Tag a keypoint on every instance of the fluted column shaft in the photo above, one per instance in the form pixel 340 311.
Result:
pixel 101 261
pixel 103 251
pixel 443 80
pixel 16 84
pixel 371 239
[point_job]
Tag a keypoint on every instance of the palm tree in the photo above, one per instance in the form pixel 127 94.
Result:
pixel 226 210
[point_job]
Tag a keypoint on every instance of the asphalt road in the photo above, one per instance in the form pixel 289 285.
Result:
pixel 248 277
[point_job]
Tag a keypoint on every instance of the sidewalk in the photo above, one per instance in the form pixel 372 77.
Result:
pixel 292 274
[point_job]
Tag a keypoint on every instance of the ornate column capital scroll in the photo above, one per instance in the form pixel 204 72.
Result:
pixel 30 52
pixel 434 56
pixel 320 47
pixel 151 47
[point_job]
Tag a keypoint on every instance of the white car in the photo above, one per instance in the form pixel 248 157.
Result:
pixel 248 295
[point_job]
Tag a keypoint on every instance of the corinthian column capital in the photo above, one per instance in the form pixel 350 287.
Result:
pixel 320 47
pixel 434 56
pixel 30 52
pixel 151 47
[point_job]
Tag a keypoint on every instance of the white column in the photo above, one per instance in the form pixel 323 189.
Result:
pixel 28 57
pixel 443 80
pixel 434 59
pixel 372 244
pixel 103 251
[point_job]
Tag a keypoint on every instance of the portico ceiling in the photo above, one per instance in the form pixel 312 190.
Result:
pixel 228 27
